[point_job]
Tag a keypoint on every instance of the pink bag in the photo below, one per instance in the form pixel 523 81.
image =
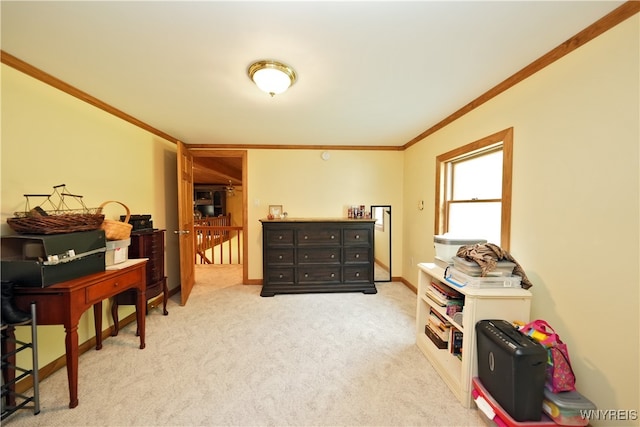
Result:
pixel 560 376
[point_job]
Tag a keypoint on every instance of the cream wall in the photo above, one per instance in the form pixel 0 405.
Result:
pixel 51 138
pixel 307 186
pixel 575 213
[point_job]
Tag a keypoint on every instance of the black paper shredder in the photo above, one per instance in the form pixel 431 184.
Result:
pixel 512 367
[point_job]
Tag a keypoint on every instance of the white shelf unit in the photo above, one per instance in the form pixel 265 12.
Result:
pixel 479 304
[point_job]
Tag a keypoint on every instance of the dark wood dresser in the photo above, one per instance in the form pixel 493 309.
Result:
pixel 317 255
pixel 150 245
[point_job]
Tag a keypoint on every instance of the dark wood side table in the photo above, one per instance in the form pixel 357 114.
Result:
pixel 65 302
pixel 150 245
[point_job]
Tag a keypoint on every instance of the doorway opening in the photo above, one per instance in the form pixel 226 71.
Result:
pixel 219 209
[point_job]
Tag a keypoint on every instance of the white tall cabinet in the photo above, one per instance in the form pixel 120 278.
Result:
pixel 479 304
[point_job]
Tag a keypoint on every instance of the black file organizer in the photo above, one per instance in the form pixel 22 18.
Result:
pixel 11 374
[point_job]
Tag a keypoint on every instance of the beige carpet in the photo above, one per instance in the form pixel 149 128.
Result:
pixel 232 358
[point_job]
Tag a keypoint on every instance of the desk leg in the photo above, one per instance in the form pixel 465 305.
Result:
pixel 141 308
pixel 97 320
pixel 114 315
pixel 71 343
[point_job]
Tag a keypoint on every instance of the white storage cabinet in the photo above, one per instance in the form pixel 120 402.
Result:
pixel 479 304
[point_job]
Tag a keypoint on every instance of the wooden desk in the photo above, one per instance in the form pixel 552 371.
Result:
pixel 65 302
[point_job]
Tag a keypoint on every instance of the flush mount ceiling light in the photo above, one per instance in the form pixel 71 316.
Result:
pixel 271 76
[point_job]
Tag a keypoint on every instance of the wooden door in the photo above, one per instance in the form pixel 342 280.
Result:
pixel 185 222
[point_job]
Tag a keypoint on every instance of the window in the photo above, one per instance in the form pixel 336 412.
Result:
pixel 473 189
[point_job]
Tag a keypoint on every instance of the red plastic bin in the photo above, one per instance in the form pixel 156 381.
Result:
pixel 496 414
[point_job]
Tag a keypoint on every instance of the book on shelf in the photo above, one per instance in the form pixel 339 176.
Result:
pixel 446 291
pixel 456 343
pixel 442 333
pixel 443 295
pixel 434 338
pixel 439 319
pixel 454 306
pixel 438 299
pixel 439 325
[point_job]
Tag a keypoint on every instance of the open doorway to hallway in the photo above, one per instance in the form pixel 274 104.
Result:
pixel 219 208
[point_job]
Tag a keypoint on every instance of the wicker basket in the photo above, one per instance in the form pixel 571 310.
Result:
pixel 54 215
pixel 116 230
pixel 55 224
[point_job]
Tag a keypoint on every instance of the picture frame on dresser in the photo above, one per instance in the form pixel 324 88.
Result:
pixel 275 210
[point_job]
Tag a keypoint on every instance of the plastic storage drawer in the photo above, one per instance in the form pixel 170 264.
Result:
pixel 494 415
pixel 471 268
pixel 459 279
pixel 564 408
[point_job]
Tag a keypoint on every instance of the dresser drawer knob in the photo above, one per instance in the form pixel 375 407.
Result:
pixel 116 284
pixel 333 237
pixel 333 275
pixel 306 274
pixel 357 255
pixel 280 237
pixel 306 256
pixel 357 236
pixel 333 256
pixel 280 276
pixel 279 256
pixel 358 274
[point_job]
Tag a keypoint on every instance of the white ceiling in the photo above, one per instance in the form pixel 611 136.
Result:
pixel 369 73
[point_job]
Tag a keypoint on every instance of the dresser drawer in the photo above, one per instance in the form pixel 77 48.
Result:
pixel 279 237
pixel 280 256
pixel 357 255
pixel 319 256
pixel 154 289
pixel 357 236
pixel 106 288
pixel 281 276
pixel 319 236
pixel 329 274
pixel 154 244
pixel 356 274
pixel 154 252
pixel 155 271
